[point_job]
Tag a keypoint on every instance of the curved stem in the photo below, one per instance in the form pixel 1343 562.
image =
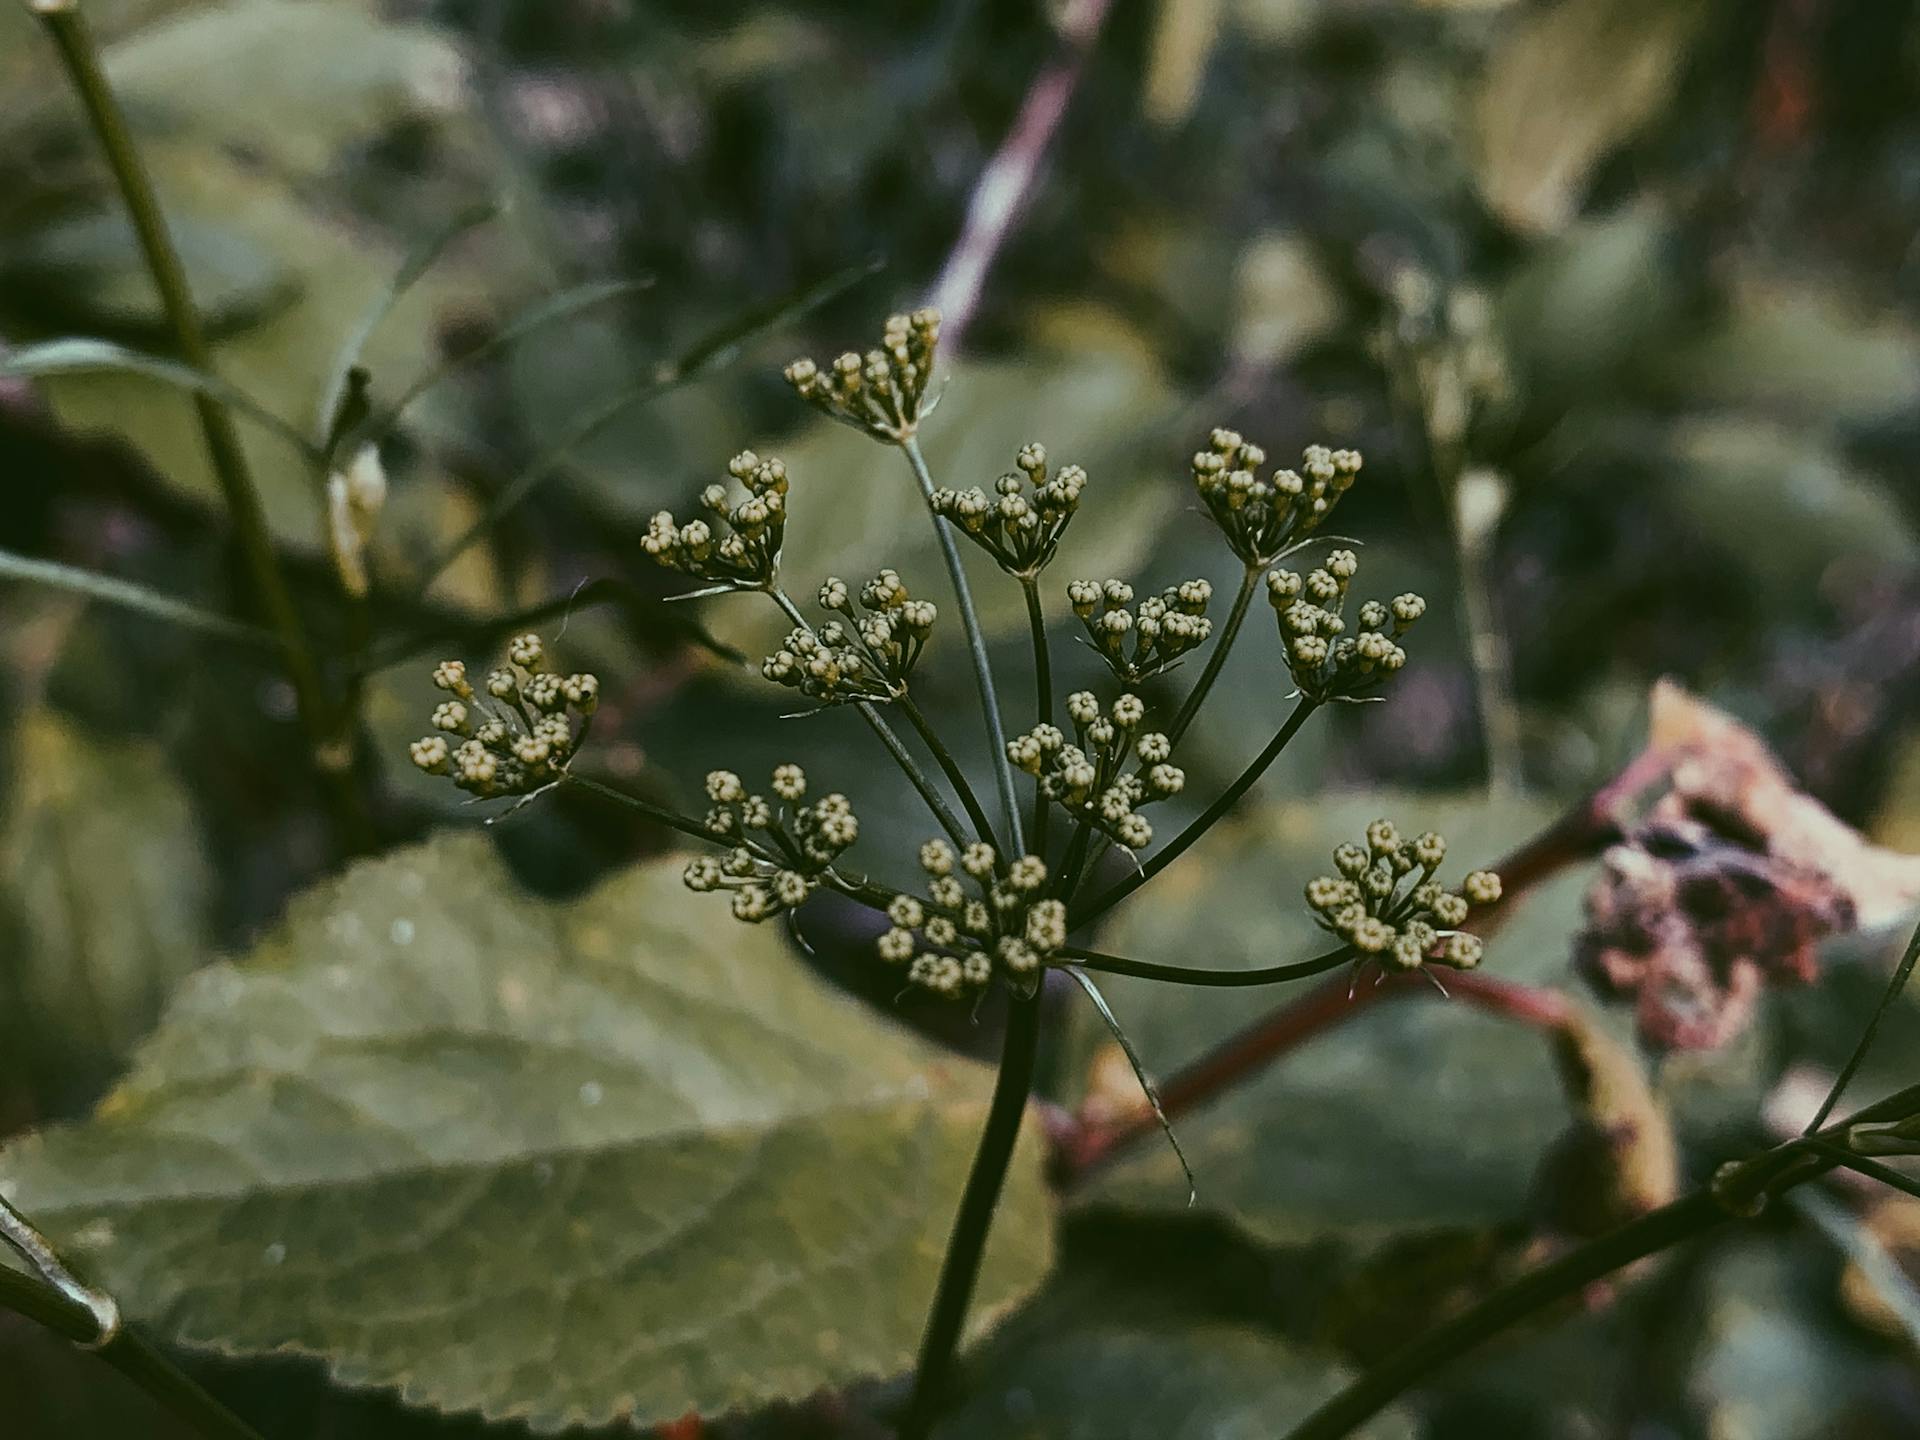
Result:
pixel 976 644
pixel 1190 707
pixel 78 54
pixel 1901 974
pixel 1043 699
pixel 1182 842
pixel 1189 975
pixel 961 1267
pixel 949 767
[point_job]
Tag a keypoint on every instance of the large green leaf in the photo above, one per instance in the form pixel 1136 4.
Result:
pixel 617 1158
pixel 106 891
pixel 854 506
pixel 1417 1114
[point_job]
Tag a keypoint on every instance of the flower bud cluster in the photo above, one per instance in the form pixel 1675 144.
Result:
pixel 1326 662
pixel 780 845
pixel 1088 777
pixel 1264 516
pixel 1384 901
pixel 740 545
pixel 520 736
pixel 1138 644
pixel 861 654
pixel 882 392
pixel 1020 525
pixel 975 919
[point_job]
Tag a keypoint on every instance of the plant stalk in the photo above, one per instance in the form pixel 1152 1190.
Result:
pixel 976 645
pixel 956 777
pixel 933 1375
pixel 78 54
pixel 1043 699
pixel 1190 707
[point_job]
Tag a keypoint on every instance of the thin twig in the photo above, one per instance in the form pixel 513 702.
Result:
pixel 131 596
pixel 956 777
pixel 1002 189
pixel 1901 974
pixel 1196 697
pixel 72 38
pixel 1043 701
pixel 1192 975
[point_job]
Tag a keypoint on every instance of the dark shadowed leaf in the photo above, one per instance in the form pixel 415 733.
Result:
pixel 617 1158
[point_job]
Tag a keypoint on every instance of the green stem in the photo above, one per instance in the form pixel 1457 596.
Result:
pixel 672 819
pixel 1901 975
pixel 917 777
pixel 976 644
pixel 949 767
pixel 1190 707
pixel 933 1374
pixel 1188 975
pixel 1043 699
pixel 71 37
pixel 126 1351
pixel 1182 842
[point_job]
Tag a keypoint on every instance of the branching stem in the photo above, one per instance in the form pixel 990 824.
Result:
pixel 1196 697
pixel 1043 699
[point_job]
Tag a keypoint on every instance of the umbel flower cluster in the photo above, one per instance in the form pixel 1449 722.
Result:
pixel 1385 903
pixel 1022 523
pixel 882 392
pixel 974 915
pixel 521 736
pixel 1089 778
pixel 1327 663
pixel 989 909
pixel 1264 516
pixel 1139 644
pixel 740 547
pixel 864 654
pixel 781 847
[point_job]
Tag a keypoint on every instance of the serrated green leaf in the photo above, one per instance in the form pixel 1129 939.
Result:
pixel 106 893
pixel 1418 1114
pixel 618 1158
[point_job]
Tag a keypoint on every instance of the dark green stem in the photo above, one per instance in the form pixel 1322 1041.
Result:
pixel 933 1375
pixel 127 1352
pixel 1188 975
pixel 951 769
pixel 976 645
pixel 71 37
pixel 660 814
pixel 942 811
pixel 1043 699
pixel 1182 842
pixel 1190 707
pixel 1901 975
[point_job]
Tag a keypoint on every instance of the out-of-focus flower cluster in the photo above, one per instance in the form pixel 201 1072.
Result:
pixel 1384 902
pixel 519 737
